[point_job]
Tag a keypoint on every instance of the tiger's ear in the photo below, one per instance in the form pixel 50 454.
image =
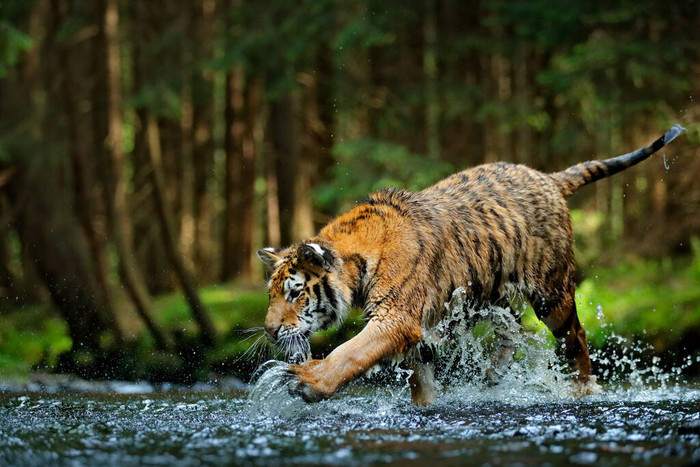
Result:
pixel 269 257
pixel 315 255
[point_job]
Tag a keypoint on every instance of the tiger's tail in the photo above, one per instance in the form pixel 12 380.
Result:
pixel 584 173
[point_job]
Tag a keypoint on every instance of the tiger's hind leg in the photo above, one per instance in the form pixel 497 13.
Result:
pixel 501 361
pixel 422 380
pixel 422 383
pixel 558 312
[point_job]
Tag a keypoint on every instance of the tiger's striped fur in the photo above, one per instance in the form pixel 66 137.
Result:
pixel 494 229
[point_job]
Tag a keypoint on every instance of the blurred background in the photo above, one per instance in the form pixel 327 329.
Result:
pixel 149 148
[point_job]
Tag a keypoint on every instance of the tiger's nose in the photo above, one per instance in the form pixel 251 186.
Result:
pixel 272 331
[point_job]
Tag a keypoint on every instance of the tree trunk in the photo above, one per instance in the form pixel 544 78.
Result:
pixel 242 113
pixel 84 207
pixel 9 285
pixel 113 174
pixel 317 130
pixel 149 249
pixel 44 221
pixel 430 77
pixel 244 242
pixel 202 125
pixel 233 147
pixel 283 158
pixel 185 167
pixel 199 312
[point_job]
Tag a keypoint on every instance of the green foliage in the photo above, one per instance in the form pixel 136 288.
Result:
pixel 587 239
pixel 367 165
pixel 276 39
pixel 654 301
pixel 31 335
pixel 13 43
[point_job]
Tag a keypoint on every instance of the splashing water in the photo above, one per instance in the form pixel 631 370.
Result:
pixel 484 355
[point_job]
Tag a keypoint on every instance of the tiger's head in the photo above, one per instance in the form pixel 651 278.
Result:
pixel 307 294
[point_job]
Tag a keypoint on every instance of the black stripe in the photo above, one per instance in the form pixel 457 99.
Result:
pixel 392 293
pixel 317 292
pixel 514 277
pixel 477 288
pixel 496 263
pixel 658 144
pixel 332 315
pixel 330 293
pixel 593 171
pixel 454 228
pixel 562 330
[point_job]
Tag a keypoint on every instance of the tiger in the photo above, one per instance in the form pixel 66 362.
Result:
pixel 400 255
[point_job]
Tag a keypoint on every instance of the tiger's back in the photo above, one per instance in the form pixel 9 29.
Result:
pixel 496 229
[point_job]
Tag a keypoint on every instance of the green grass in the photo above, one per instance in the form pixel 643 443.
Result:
pixel 31 335
pixel 231 309
pixel 655 301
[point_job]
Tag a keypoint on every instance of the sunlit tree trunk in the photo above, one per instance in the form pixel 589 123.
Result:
pixel 283 161
pixel 149 249
pixel 253 97
pixel 199 312
pixel 272 200
pixel 242 114
pixel 185 169
pixel 315 156
pixel 233 148
pixel 113 172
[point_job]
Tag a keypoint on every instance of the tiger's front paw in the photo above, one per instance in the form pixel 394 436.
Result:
pixel 312 381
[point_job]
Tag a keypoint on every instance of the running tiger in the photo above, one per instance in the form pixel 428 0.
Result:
pixel 494 229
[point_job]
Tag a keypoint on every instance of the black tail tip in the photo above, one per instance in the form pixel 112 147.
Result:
pixel 672 133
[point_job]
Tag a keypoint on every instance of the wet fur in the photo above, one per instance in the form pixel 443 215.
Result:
pixel 496 229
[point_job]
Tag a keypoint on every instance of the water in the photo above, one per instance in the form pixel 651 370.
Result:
pixel 363 425
pixel 643 416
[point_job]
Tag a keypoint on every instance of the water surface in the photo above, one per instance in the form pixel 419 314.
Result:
pixel 644 416
pixel 363 425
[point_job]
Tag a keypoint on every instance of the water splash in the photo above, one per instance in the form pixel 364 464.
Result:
pixel 488 355
pixel 484 355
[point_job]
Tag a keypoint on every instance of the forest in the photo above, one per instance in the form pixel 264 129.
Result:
pixel 149 148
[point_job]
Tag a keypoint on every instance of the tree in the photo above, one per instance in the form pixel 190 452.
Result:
pixel 113 171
